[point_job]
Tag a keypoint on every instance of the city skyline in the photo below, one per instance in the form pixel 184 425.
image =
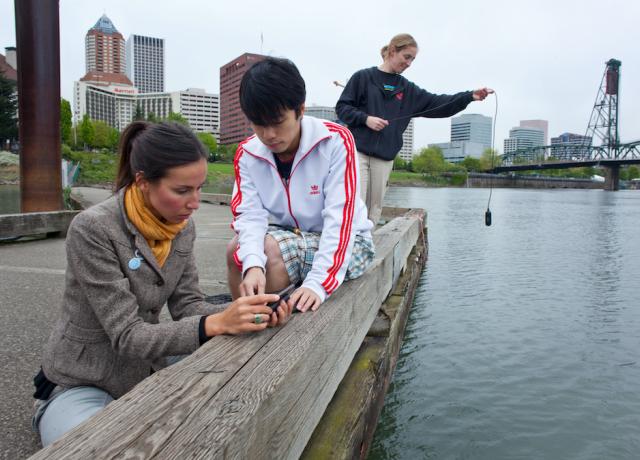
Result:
pixel 551 71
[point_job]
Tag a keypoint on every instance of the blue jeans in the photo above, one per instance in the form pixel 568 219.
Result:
pixel 67 409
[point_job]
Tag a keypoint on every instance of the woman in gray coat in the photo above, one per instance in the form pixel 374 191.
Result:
pixel 126 258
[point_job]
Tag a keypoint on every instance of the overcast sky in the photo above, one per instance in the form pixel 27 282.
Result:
pixel 544 58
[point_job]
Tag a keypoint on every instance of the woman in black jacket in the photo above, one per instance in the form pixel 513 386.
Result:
pixel 377 105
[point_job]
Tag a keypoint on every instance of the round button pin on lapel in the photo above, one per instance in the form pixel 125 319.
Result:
pixel 135 263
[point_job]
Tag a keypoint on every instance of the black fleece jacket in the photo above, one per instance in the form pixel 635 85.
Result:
pixel 365 95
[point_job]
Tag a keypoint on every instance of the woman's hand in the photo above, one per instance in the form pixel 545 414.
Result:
pixel 376 123
pixel 281 315
pixel 245 314
pixel 253 282
pixel 303 299
pixel 481 94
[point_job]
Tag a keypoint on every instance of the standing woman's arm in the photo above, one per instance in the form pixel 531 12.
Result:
pixel 429 105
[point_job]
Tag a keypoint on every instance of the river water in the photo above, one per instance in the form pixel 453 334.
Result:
pixel 524 337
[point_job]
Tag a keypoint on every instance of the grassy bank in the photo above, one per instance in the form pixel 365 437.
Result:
pixel 410 179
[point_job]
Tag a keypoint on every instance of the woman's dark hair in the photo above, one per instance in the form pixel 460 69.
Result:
pixel 154 148
pixel 269 88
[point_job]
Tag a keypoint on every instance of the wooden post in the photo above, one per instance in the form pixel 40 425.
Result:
pixel 38 57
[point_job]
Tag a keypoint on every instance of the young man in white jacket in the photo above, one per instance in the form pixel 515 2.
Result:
pixel 298 215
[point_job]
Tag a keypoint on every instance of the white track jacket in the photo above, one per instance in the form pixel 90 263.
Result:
pixel 323 195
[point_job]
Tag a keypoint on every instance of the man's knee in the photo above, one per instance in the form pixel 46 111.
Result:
pixel 272 250
pixel 232 246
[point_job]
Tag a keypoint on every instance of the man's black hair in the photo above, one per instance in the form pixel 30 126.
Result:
pixel 269 88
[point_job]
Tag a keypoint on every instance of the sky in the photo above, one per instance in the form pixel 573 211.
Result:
pixel 544 58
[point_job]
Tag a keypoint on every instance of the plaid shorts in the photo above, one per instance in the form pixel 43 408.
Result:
pixel 298 252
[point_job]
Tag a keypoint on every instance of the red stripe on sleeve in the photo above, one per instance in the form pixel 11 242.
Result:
pixel 331 283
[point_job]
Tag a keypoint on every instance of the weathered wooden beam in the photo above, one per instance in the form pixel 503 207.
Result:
pixel 35 223
pixel 258 396
pixel 348 424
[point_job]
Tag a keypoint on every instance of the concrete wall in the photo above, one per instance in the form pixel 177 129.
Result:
pixel 497 180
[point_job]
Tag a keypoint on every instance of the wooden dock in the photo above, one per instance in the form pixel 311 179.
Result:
pixel 269 395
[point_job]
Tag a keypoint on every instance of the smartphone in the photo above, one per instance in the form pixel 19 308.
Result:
pixel 284 295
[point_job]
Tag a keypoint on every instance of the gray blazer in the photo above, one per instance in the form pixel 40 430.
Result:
pixel 108 334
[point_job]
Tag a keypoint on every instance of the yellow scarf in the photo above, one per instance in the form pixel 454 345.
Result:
pixel 157 233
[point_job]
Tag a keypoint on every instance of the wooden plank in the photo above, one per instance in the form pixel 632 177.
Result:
pixel 34 223
pixel 157 404
pixel 258 396
pixel 347 426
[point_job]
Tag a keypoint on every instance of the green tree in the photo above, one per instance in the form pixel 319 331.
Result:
pixel 86 131
pixel 634 172
pixel 138 114
pixel 399 163
pixel 489 159
pixel 471 164
pixel 114 138
pixel 101 135
pixel 8 110
pixel 209 142
pixel 430 161
pixel 65 121
pixel 178 118
pixel 226 153
pixel 152 117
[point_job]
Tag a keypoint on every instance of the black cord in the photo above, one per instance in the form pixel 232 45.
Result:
pixel 487 214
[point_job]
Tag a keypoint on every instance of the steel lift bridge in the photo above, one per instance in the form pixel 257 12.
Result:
pixel 603 127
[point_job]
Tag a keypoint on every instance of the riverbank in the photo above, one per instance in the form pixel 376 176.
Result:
pixel 98 170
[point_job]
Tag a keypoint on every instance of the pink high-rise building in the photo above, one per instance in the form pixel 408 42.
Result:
pixel 105 54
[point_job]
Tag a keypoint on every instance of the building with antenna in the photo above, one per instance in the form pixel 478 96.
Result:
pixel 105 54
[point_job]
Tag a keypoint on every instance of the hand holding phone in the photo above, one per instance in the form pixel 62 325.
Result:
pixel 284 295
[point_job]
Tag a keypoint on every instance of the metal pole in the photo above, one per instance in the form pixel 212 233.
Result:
pixel 38 46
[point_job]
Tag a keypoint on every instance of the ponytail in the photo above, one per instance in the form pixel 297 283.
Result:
pixel 126 173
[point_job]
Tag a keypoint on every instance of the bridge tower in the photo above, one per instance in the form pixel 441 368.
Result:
pixel 603 123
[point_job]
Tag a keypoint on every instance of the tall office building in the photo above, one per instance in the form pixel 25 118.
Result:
pixel 470 136
pixel 234 126
pixel 472 127
pixel 406 152
pixel 322 111
pixel 105 55
pixel 539 124
pixel 145 63
pixel 521 138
